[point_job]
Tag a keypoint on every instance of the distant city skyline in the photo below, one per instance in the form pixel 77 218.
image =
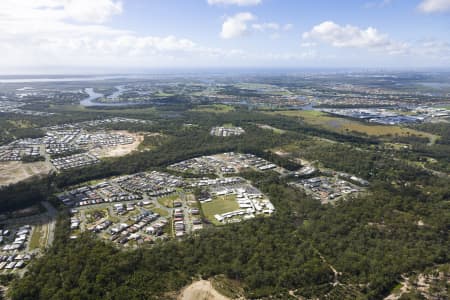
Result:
pixel 76 36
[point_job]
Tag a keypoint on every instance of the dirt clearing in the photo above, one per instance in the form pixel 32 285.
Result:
pixel 201 290
pixel 15 171
pixel 120 150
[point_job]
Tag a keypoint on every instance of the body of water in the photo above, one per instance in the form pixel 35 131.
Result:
pixel 116 94
pixel 90 101
pixel 436 85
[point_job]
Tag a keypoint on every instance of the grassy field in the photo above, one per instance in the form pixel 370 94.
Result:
pixel 21 123
pixel 113 219
pixel 191 201
pixel 168 200
pixel 35 240
pixel 160 211
pixel 152 141
pixel 267 88
pixel 255 86
pixel 219 205
pixel 39 237
pixel 343 125
pixel 268 127
pixel 214 108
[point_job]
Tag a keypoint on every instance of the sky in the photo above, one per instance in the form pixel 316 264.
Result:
pixel 100 36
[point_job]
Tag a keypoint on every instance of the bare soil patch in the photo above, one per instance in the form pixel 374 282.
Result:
pixel 120 150
pixel 15 171
pixel 201 290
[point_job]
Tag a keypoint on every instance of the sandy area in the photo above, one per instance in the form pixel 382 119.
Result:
pixel 120 150
pixel 15 171
pixel 201 290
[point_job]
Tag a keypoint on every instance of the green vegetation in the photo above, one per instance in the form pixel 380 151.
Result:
pixel 21 123
pixel 17 127
pixel 214 108
pixel 94 215
pixel 346 126
pixel 371 240
pixel 276 130
pixel 160 211
pixel 152 141
pixel 227 287
pixel 250 252
pixel 167 201
pixel 219 205
pixel 35 240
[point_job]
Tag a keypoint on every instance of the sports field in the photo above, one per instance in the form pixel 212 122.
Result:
pixel 219 205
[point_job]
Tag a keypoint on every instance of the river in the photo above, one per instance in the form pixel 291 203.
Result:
pixel 116 94
pixel 90 101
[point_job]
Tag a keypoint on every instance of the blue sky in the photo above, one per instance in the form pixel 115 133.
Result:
pixel 130 35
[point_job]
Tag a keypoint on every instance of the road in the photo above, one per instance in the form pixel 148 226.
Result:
pixel 51 213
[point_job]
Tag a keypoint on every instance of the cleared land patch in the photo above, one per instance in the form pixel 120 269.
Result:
pixel 120 150
pixel 268 127
pixel 167 201
pixel 201 290
pixel 342 125
pixel 22 123
pixel 16 171
pixel 39 237
pixel 152 141
pixel 160 211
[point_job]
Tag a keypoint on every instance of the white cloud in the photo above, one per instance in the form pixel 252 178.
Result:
pixel 68 33
pixel 288 27
pixel 97 11
pixel 77 34
pixel 346 36
pixel 308 44
pixel 236 25
pixel 351 36
pixel 275 36
pixel 428 51
pixel 272 28
pixel 434 6
pixel 234 2
pixel 266 26
pixel 240 25
pixel 433 48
